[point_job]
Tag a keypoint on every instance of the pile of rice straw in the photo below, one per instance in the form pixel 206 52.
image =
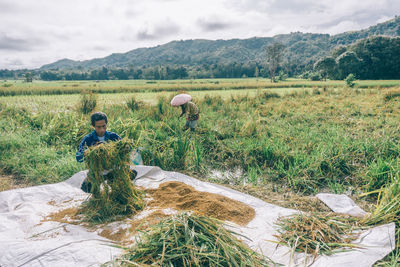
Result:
pixel 317 233
pixel 190 240
pixel 113 195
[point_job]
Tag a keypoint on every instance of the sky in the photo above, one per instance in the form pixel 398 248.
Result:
pixel 38 32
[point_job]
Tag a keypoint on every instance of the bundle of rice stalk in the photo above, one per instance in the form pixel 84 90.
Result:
pixel 190 240
pixel 388 205
pixel 317 233
pixel 114 194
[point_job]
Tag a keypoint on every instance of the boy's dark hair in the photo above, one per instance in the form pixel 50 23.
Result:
pixel 98 116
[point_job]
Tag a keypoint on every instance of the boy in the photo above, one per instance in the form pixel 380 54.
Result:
pixel 99 135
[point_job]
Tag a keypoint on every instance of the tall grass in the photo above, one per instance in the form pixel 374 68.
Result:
pixel 337 140
pixel 87 102
pixel 132 103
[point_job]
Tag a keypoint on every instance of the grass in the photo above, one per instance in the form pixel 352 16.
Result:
pixel 87 102
pixel 190 240
pixel 332 140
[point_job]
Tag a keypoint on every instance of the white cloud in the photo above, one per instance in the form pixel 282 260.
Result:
pixel 33 33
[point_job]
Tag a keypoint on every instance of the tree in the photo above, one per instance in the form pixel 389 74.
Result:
pixel 326 66
pixel 256 72
pixel 274 56
pixel 28 77
pixel 348 62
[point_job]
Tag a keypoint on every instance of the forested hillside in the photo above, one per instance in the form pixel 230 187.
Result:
pixel 220 58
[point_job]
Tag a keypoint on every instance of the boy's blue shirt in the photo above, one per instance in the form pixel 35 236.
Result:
pixel 91 140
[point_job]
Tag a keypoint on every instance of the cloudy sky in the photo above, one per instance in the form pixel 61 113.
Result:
pixel 37 32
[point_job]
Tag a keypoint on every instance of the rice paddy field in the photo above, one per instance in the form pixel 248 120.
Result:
pixel 293 138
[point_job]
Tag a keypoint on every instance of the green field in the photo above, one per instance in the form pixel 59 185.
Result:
pixel 294 137
pixel 75 87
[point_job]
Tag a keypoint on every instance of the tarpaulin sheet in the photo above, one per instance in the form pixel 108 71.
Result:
pixel 27 239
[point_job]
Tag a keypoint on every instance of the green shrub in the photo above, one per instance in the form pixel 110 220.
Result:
pixel 350 80
pixel 315 77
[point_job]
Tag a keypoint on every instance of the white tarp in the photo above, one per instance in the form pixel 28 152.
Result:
pixel 25 240
pixel 341 204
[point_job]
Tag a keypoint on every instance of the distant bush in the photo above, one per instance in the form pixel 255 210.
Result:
pixel 88 102
pixel 133 104
pixel 282 76
pixel 350 80
pixel 269 95
pixel 392 94
pixel 315 77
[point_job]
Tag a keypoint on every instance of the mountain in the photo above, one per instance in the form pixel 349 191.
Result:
pixel 302 50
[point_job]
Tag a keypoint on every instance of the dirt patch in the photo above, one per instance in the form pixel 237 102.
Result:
pixel 8 182
pixel 181 196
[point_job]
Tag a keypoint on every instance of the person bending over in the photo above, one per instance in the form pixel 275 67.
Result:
pixel 192 115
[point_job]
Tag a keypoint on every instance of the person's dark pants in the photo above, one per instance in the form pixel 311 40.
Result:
pixel 87 185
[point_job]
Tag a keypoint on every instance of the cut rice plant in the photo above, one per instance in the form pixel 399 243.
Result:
pixel 317 233
pixel 113 195
pixel 388 204
pixel 190 240
pixel 387 208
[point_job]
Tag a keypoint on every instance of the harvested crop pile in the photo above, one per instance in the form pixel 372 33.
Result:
pixel 387 207
pixel 180 196
pixel 317 233
pixel 112 195
pixel 190 240
pixel 175 195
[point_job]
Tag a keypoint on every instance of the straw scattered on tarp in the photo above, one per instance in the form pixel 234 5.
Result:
pixel 113 195
pixel 190 240
pixel 317 233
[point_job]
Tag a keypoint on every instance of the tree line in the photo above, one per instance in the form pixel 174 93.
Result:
pixel 375 57
pixel 232 70
pixel 371 58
